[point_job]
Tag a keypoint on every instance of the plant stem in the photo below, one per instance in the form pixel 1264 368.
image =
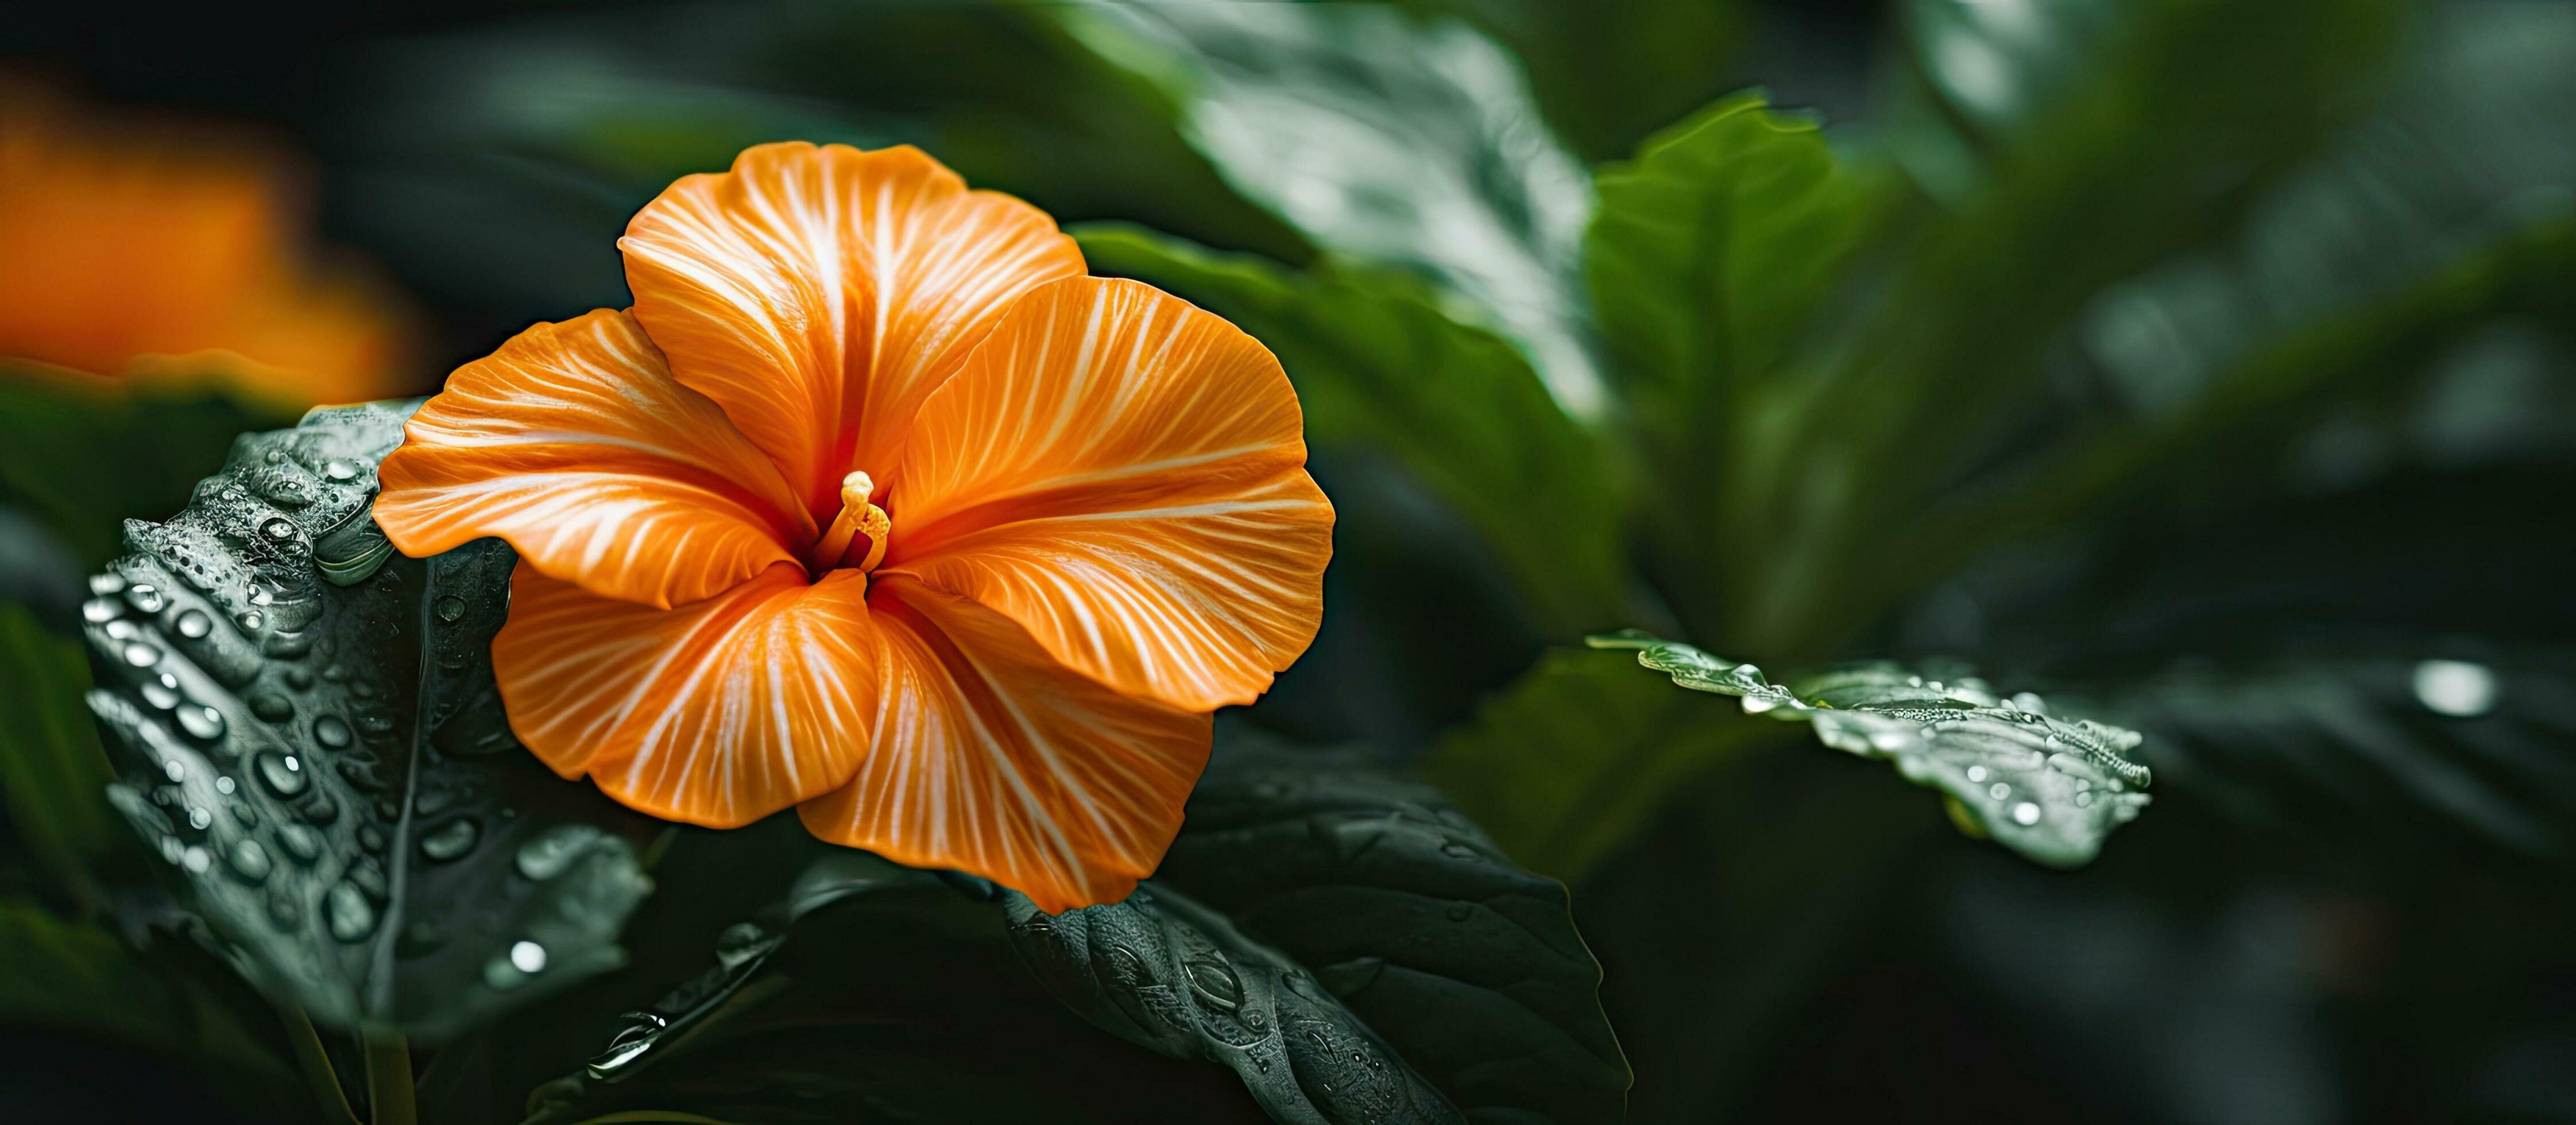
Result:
pixel 316 1064
pixel 389 1092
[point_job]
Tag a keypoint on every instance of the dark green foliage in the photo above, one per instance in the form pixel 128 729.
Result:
pixel 310 736
pixel 53 774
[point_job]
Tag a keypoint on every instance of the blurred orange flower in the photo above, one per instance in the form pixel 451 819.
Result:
pixel 132 251
pixel 875 505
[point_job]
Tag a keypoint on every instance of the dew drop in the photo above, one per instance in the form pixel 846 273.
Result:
pixel 450 840
pixel 194 624
pixel 2455 687
pixel 252 619
pixel 277 527
pixel 100 611
pixel 225 786
pixel 196 860
pixel 2025 814
pixel 248 860
pixel 348 912
pixel 449 607
pixel 272 707
pixel 1977 774
pixel 281 774
pixel 201 722
pixel 162 691
pixel 104 584
pixel 146 598
pixel 199 818
pixel 331 731
pixel 528 957
pixel 141 655
pixel 2083 800
pixel 300 842
pixel 174 769
pixel 1999 791
pixel 337 469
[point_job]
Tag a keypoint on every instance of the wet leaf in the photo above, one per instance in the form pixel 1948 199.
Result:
pixel 873 993
pixel 1163 971
pixel 308 732
pixel 1385 139
pixel 1402 909
pixel 1378 365
pixel 2047 787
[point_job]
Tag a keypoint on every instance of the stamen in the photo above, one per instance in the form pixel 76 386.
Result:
pixel 858 517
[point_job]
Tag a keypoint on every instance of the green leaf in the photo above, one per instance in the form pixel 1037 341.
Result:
pixel 1469 966
pixel 1384 139
pixel 53 774
pixel 2049 788
pixel 1379 366
pixel 2188 116
pixel 2473 746
pixel 68 979
pixel 309 733
pixel 1165 972
pixel 1708 258
pixel 1569 762
pixel 1711 248
pixel 872 993
pixel 84 454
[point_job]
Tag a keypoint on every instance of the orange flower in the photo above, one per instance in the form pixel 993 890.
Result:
pixel 876 506
pixel 134 252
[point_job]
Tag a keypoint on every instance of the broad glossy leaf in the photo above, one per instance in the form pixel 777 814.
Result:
pixel 2049 788
pixel 1378 365
pixel 1401 908
pixel 53 774
pixel 874 993
pixel 1388 140
pixel 1165 972
pixel 309 734
pixel 1570 761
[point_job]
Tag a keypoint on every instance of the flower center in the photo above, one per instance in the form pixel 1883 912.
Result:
pixel 861 527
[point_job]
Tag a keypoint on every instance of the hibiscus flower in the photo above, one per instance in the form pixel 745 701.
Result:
pixel 876 506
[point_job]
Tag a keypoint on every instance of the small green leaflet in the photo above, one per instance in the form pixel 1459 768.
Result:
pixel 2048 788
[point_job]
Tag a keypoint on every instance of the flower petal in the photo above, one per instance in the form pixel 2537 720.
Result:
pixel 574 443
pixel 716 713
pixel 992 759
pixel 1123 475
pixel 819 293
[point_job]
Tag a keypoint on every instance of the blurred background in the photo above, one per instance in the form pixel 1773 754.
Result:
pixel 2208 368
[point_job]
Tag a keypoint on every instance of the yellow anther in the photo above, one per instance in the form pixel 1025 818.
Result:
pixel 857 517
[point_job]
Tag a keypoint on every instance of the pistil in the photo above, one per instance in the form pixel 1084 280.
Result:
pixel 858 517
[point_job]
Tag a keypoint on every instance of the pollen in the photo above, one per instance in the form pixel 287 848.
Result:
pixel 858 517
